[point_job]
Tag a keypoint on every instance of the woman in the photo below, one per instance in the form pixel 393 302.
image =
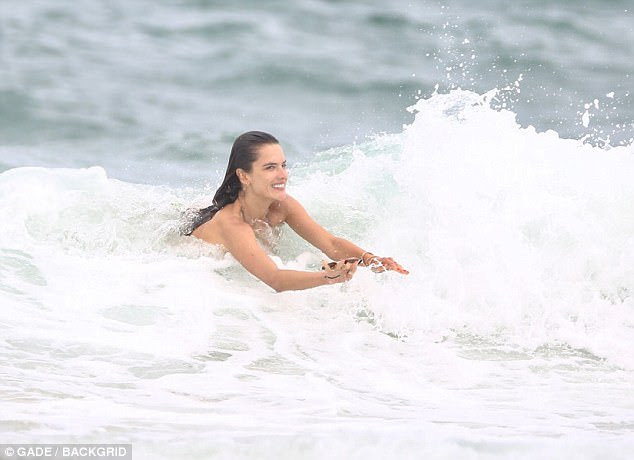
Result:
pixel 252 197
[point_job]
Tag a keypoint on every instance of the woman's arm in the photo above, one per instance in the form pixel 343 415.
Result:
pixel 334 247
pixel 239 240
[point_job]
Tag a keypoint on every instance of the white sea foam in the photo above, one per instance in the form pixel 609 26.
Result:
pixel 511 336
pixel 509 233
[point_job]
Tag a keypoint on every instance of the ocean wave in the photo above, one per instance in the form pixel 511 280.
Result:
pixel 512 237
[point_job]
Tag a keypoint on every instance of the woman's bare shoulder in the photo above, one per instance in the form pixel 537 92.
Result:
pixel 222 224
pixel 288 205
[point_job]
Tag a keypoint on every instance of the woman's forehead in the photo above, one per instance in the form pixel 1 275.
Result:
pixel 270 153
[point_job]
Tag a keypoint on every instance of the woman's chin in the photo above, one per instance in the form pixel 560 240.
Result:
pixel 279 194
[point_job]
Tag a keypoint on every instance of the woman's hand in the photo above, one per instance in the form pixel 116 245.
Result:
pixel 341 271
pixel 381 264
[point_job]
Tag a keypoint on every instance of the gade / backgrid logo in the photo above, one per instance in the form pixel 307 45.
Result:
pixel 66 451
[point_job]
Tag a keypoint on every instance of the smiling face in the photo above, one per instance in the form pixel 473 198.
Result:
pixel 268 175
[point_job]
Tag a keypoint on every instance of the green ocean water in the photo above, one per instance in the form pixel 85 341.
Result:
pixel 156 91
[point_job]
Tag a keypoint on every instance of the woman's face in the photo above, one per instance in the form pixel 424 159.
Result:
pixel 268 174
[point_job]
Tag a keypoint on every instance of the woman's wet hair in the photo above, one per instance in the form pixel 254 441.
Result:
pixel 244 152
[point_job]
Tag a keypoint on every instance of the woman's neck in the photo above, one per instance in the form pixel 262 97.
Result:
pixel 252 207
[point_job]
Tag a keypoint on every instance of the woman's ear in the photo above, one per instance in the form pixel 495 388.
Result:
pixel 242 176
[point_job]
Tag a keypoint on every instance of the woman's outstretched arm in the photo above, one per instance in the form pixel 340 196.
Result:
pixel 239 240
pixel 334 247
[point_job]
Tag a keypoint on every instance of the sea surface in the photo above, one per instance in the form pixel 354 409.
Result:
pixel 487 146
